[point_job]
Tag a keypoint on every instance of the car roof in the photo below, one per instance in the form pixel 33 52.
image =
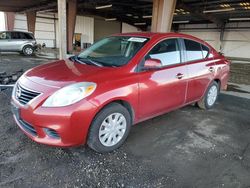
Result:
pixel 156 34
pixel 161 35
pixel 18 31
pixel 138 34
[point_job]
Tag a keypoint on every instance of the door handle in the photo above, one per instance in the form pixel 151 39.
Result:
pixel 211 69
pixel 179 76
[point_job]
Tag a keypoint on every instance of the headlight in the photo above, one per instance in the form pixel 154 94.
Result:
pixel 70 94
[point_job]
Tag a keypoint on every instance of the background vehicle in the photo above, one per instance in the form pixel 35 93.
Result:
pixel 95 97
pixel 17 41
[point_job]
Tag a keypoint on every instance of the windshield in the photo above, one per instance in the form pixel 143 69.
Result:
pixel 113 51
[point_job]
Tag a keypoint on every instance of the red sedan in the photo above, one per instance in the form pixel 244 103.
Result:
pixel 123 79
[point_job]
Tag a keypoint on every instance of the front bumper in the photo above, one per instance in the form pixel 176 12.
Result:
pixel 58 126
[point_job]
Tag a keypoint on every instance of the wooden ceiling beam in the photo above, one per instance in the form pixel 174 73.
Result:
pixel 197 13
pixel 9 8
pixel 90 12
pixel 41 7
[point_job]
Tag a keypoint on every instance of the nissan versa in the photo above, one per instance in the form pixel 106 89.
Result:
pixel 95 97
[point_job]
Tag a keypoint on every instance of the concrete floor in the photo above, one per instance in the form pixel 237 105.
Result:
pixel 11 62
pixel 188 147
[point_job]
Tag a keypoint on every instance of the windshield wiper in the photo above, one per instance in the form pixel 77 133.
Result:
pixel 89 61
pixel 85 61
pixel 75 58
pixel 103 63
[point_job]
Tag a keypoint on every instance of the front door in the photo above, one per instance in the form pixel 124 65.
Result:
pixel 163 89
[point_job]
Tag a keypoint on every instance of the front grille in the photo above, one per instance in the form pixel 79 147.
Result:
pixel 24 95
pixel 27 127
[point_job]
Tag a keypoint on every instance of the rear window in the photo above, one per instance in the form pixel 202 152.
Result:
pixel 4 35
pixel 193 50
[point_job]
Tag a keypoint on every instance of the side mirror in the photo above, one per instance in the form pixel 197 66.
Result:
pixel 152 64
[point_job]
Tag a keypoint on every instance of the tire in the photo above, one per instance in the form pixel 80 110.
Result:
pixel 101 128
pixel 28 50
pixel 210 97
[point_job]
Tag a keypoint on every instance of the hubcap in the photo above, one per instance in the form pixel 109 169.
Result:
pixel 112 129
pixel 212 95
pixel 29 51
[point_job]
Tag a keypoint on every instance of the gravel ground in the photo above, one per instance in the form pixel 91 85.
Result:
pixel 188 147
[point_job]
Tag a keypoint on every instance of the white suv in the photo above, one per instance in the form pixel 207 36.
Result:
pixel 17 41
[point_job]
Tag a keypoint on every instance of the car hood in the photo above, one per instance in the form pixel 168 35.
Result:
pixel 64 72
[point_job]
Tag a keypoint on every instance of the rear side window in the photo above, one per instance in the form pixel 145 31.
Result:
pixel 15 35
pixel 193 50
pixel 167 51
pixel 205 51
pixel 22 36
pixel 25 35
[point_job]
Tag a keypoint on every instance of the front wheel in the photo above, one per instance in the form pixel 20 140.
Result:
pixel 109 128
pixel 210 96
pixel 28 50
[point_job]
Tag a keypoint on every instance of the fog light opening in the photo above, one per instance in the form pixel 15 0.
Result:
pixel 51 133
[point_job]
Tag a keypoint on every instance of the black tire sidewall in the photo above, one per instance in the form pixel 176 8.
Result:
pixel 27 46
pixel 206 97
pixel 93 137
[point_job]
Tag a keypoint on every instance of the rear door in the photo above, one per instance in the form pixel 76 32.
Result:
pixel 163 89
pixel 200 68
pixel 17 40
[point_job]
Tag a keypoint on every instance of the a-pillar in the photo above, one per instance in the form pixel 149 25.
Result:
pixel 71 21
pixel 163 12
pixel 31 21
pixel 62 28
pixel 9 20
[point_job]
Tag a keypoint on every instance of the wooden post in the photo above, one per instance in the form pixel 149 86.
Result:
pixel 31 21
pixel 71 22
pixel 9 20
pixel 62 28
pixel 163 12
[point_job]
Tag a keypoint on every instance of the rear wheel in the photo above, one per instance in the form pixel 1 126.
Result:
pixel 110 128
pixel 28 50
pixel 210 96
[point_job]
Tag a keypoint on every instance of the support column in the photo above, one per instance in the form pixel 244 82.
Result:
pixel 222 31
pixel 9 20
pixel 62 28
pixel 71 22
pixel 163 12
pixel 31 21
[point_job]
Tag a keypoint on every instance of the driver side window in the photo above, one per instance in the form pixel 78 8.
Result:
pixel 167 51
